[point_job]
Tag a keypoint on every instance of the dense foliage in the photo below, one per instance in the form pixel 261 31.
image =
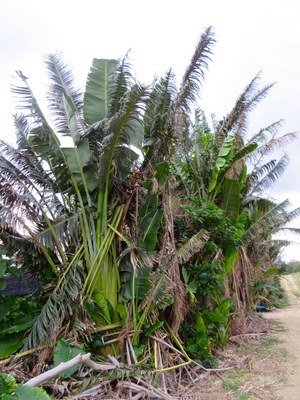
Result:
pixel 149 223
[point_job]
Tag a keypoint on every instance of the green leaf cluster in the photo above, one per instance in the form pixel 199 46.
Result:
pixel 10 390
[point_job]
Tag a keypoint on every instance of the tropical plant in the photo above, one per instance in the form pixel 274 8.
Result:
pixel 75 196
pixel 135 217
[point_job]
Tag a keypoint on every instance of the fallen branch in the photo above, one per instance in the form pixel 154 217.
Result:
pixel 150 391
pixel 79 359
pixel 20 355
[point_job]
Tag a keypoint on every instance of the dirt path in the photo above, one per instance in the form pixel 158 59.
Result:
pixel 290 338
pixel 265 364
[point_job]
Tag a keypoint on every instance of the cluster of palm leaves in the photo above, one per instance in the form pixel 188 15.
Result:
pixel 93 219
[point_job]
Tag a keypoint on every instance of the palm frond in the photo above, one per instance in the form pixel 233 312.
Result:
pixel 236 121
pixel 61 307
pixel 26 101
pixel 265 134
pixel 276 144
pixel 272 175
pixel 43 140
pixel 62 87
pixel 12 242
pixel 158 135
pixel 194 74
pixel 120 81
pixel 258 173
pixel 288 230
pixel 192 246
pixel 263 224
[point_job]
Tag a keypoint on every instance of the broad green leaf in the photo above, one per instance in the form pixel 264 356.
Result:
pixel 122 311
pixel 20 324
pixel 64 352
pixel 231 199
pixel 200 148
pixel 84 156
pixel 124 160
pixel 153 328
pixel 79 158
pixel 248 149
pixel 5 306
pixel 141 284
pixel 149 227
pixel 138 350
pixel 231 256
pixel 224 306
pixel 7 384
pixel 200 324
pixel 241 222
pixel 162 172
pixel 14 271
pixel 72 122
pixel 90 175
pixel 102 305
pixel 134 130
pixel 2 284
pixel 96 97
pixel 4 264
pixel 10 343
pixel 213 317
pixel 223 156
pixel 269 272
pixel 150 202
pixel 2 269
pixel 265 285
pixel 190 287
pixel 24 392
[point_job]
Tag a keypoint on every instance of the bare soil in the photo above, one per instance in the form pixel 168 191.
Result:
pixel 266 365
pixel 290 339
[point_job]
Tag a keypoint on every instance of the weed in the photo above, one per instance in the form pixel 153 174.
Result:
pixel 271 341
pixel 282 303
pixel 296 276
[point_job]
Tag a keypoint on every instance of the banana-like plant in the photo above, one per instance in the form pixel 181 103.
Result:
pixel 62 197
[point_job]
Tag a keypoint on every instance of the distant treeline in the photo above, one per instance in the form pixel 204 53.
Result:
pixel 288 268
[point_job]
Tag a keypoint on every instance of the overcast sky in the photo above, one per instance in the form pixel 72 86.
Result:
pixel 252 36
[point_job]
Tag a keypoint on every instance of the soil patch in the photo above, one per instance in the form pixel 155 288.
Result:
pixel 290 339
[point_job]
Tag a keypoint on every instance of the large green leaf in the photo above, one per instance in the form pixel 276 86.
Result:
pixel 79 163
pixel 162 172
pixel 135 285
pixel 248 149
pixel 231 199
pixel 72 121
pixel 96 97
pixel 2 283
pixel 223 156
pixel 7 384
pixel 224 306
pixel 5 305
pixel 63 353
pixel 20 323
pixel 150 202
pixel 3 266
pixel 24 392
pixel 231 256
pixel 79 156
pixel 10 343
pixel 149 226
pixel 134 130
